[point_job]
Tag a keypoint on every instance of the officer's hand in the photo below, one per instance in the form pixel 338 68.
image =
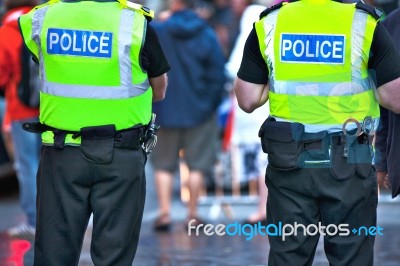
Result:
pixel 383 180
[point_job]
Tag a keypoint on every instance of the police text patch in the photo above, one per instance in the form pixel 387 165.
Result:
pixel 312 48
pixel 79 43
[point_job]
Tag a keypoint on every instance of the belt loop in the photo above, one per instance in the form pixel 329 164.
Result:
pixel 59 139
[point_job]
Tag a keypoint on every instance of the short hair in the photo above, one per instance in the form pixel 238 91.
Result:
pixel 189 3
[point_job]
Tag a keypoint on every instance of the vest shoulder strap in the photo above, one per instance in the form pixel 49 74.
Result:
pixel 147 12
pixel 373 11
pixel 50 2
pixel 271 8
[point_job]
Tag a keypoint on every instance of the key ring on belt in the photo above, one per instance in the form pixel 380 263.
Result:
pixel 346 144
pixel 366 127
pixel 359 128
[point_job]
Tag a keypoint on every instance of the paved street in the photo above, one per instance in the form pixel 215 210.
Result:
pixel 179 249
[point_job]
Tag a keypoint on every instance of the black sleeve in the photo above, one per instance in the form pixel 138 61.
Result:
pixel 253 67
pixel 385 60
pixel 381 137
pixel 152 57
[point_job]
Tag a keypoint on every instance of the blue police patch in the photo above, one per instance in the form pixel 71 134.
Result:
pixel 79 43
pixel 312 48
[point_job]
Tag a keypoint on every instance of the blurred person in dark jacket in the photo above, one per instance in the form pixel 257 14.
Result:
pixel 187 115
pixel 25 145
pixel 388 138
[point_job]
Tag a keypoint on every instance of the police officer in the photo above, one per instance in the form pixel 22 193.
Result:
pixel 101 66
pixel 316 62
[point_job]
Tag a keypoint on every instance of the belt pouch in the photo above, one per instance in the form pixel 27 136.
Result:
pixel 282 142
pixel 97 143
pixel 316 146
pixel 342 168
pixel 360 153
pixel 128 139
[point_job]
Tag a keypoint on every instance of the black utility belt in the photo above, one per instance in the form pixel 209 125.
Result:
pixel 129 138
pixel 289 147
pixel 97 142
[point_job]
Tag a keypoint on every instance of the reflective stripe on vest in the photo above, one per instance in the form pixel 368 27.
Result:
pixel 95 92
pixel 318 91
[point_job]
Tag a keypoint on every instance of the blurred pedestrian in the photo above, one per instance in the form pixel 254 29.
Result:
pixel 249 161
pixel 187 116
pixel 25 146
pixel 316 76
pixel 99 78
pixel 224 17
pixel 388 137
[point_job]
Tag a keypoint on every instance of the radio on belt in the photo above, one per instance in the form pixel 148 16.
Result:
pixel 312 48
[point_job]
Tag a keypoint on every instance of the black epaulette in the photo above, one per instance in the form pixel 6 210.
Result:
pixel 373 11
pixel 270 9
pixel 147 12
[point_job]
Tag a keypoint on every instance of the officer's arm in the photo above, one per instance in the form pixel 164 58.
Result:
pixel 159 86
pixel 250 96
pixel 389 95
pixel 251 84
pixel 385 61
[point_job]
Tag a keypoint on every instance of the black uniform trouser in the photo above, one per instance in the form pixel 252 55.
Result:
pixel 70 188
pixel 312 195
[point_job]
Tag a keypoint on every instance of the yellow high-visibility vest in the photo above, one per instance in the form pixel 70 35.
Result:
pixel 90 69
pixel 317 54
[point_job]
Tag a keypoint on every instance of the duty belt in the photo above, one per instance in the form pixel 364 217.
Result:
pixel 129 138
